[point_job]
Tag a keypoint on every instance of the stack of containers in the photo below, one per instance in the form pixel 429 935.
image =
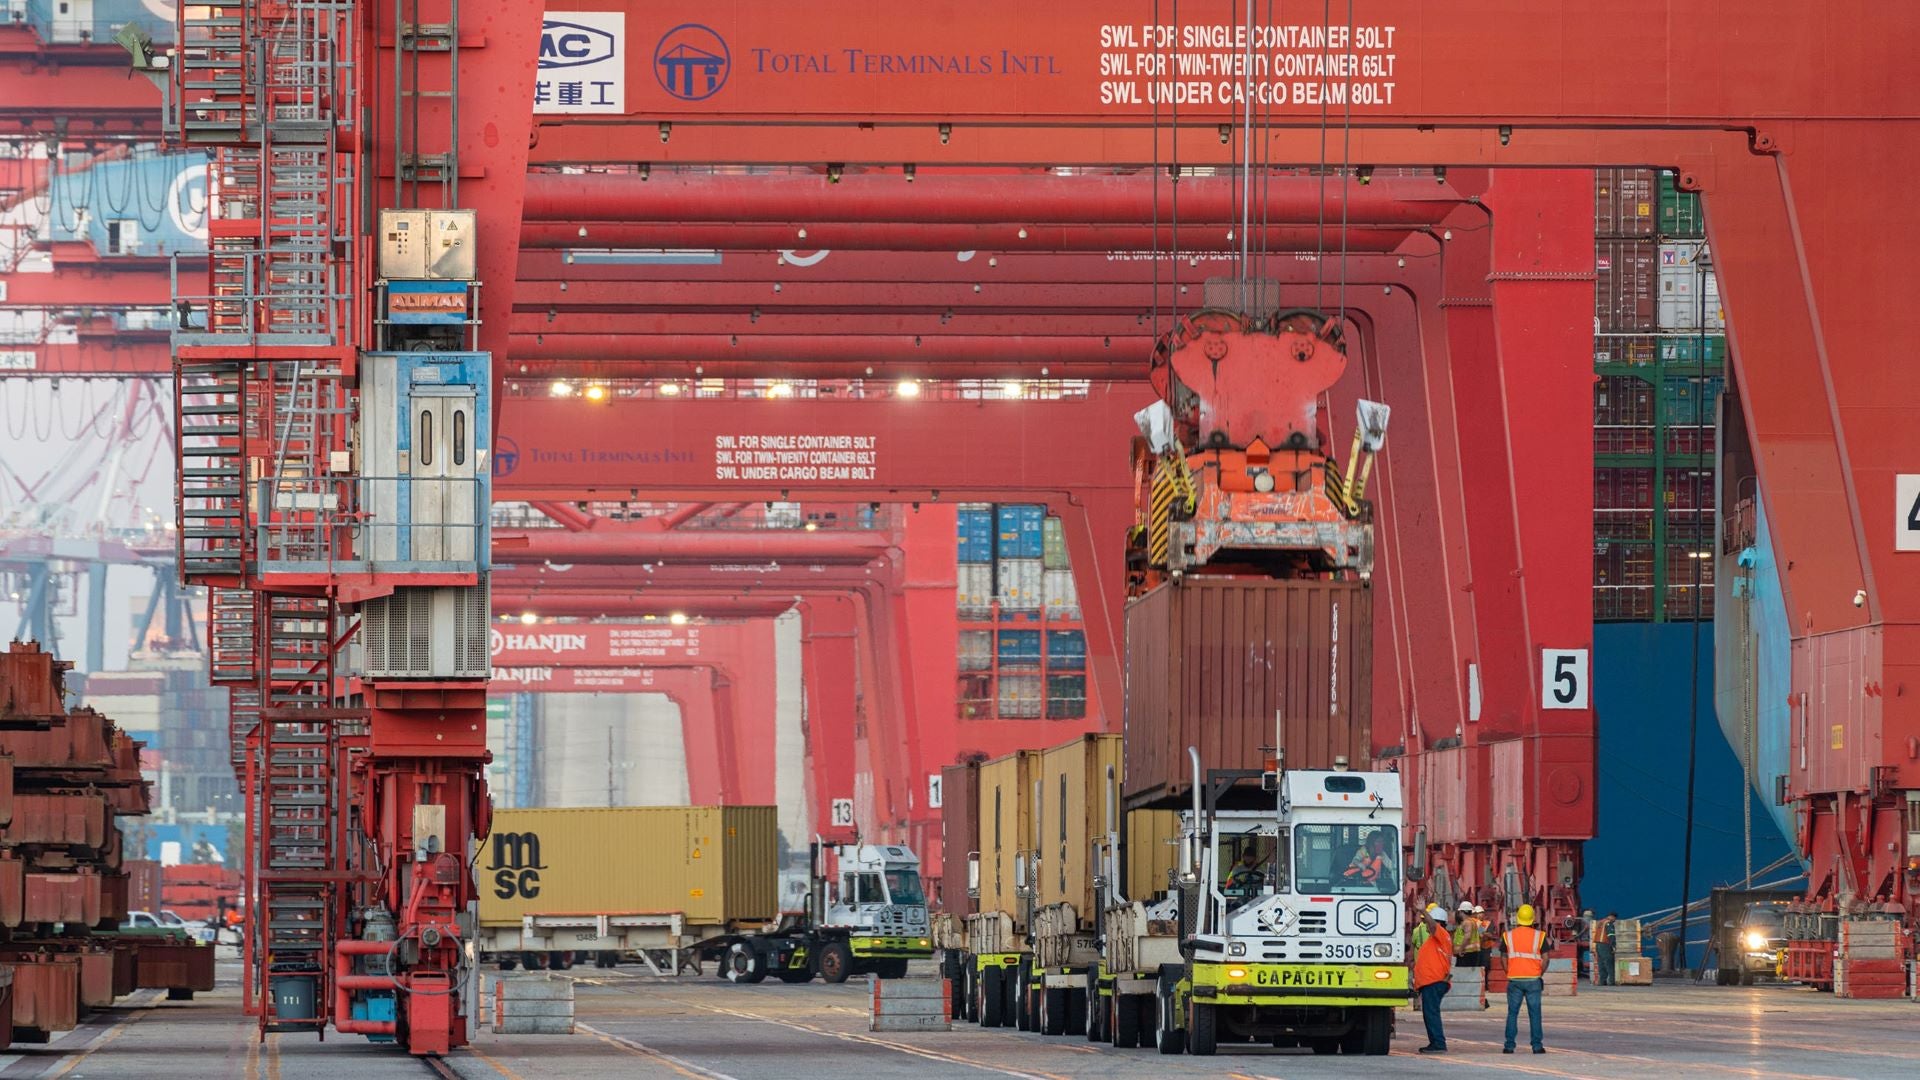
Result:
pixel 1659 354
pixel 65 775
pixel 1022 652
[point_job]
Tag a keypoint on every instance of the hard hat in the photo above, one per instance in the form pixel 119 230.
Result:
pixel 1478 910
pixel 1466 905
pixel 1439 915
pixel 1525 915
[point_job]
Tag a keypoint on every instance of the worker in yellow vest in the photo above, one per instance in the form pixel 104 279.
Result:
pixel 1526 949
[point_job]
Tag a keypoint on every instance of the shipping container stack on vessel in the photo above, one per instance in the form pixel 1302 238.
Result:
pixel 67 776
pixel 1660 354
pixel 1023 646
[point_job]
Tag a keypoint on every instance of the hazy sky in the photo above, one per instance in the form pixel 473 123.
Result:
pixel 64 431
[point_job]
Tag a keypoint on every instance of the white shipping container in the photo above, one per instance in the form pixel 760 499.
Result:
pixel 976 650
pixel 1689 291
pixel 1020 697
pixel 1062 602
pixel 974 587
pixel 1022 584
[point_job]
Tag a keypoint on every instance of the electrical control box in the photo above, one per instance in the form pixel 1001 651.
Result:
pixel 428 245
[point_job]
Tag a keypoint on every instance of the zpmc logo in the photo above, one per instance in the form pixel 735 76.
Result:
pixel 691 62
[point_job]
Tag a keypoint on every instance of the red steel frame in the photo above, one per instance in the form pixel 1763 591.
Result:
pixel 1799 162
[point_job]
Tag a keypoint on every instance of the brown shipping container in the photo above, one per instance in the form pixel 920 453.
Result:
pixel 1626 279
pixel 1624 202
pixel 716 865
pixel 959 835
pixel 1006 830
pixel 1211 660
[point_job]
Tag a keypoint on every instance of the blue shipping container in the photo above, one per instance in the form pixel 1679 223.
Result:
pixel 1023 531
pixel 976 536
pixel 1020 647
pixel 1066 649
pixel 144 206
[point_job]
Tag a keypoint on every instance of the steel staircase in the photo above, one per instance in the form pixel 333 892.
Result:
pixel 300 810
pixel 209 445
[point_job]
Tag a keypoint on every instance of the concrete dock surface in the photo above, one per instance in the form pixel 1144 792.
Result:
pixel 636 1025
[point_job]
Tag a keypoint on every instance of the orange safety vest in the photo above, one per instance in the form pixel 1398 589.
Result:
pixel 1369 868
pixel 1526 952
pixel 1434 962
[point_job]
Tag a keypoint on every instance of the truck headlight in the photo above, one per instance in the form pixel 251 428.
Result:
pixel 1756 940
pixel 1236 948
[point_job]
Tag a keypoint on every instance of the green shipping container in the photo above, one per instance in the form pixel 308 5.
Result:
pixel 1680 212
pixel 1055 544
pixel 1689 400
pixel 1686 350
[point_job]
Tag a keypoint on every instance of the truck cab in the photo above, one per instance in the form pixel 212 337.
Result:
pixel 877 900
pixel 1296 920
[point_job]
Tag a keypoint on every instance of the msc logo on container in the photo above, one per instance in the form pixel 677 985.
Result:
pixel 565 45
pixel 691 62
pixel 516 865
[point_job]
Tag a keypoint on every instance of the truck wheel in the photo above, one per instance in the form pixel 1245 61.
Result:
pixel 1725 976
pixel 1076 1012
pixel 890 969
pixel 1325 1044
pixel 1371 1034
pixel 992 1004
pixel 1202 1030
pixel 1126 1021
pixel 1026 1004
pixel 794 978
pixel 508 964
pixel 533 961
pixel 836 961
pixel 1053 1011
pixel 1169 1038
pixel 957 996
pixel 1096 1010
pixel 560 961
pixel 745 964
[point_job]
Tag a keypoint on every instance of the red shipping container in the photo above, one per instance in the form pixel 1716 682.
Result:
pixel 1626 282
pixel 96 979
pixel 143 884
pixel 175 966
pixel 1211 661
pixel 1624 202
pixel 960 835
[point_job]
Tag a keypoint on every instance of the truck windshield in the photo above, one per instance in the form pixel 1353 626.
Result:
pixel 1250 865
pixel 903 885
pixel 1349 859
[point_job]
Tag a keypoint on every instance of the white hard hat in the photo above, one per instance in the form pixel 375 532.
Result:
pixel 1439 915
pixel 1466 905
pixel 1478 910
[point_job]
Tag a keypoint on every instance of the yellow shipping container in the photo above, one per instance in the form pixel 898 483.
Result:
pixel 716 865
pixel 1072 813
pixel 1006 830
pixel 1152 850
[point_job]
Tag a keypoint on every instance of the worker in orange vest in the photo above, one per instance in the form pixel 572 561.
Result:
pixel 1526 948
pixel 1433 977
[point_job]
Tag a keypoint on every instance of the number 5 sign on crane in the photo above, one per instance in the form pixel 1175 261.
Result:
pixel 1563 678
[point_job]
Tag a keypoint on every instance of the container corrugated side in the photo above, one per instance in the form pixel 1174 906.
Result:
pixel 1625 286
pixel 1006 830
pixel 1210 661
pixel 1152 849
pixel 1071 811
pixel 959 834
pixel 715 865
pixel 1623 202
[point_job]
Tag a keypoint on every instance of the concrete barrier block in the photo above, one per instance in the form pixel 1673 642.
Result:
pixel 910 1005
pixel 535 1025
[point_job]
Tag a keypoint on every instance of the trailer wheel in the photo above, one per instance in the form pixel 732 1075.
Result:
pixel 992 1004
pixel 1203 1032
pixel 1094 1008
pixel 1126 1021
pixel 1026 1005
pixel 1076 1012
pixel 890 969
pixel 1324 1044
pixel 1053 1010
pixel 1169 1038
pixel 745 963
pixel 960 991
pixel 836 961
pixel 508 964
pixel 795 978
